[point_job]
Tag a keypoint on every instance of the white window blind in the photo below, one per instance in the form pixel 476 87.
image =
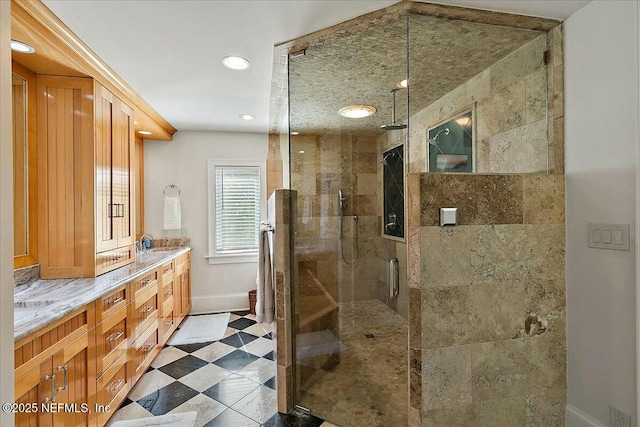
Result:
pixel 237 204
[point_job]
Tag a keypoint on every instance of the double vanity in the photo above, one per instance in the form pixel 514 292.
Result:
pixel 81 344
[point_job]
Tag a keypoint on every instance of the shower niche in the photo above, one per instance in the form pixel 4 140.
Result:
pixel 393 192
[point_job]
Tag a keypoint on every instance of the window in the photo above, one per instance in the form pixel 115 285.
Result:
pixel 235 194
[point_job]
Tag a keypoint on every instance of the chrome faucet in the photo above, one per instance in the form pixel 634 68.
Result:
pixel 140 245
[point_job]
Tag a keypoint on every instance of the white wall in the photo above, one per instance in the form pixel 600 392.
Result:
pixel 601 94
pixel 183 162
pixel 6 216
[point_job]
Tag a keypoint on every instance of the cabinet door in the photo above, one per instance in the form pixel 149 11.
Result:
pixel 123 146
pixel 106 210
pixel 185 292
pixel 71 366
pixel 36 387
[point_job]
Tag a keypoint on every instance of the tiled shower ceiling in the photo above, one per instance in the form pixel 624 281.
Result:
pixel 363 65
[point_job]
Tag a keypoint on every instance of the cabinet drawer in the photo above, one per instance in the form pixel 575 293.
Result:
pixel 112 388
pixel 111 303
pixel 141 284
pixel 142 312
pixel 111 340
pixel 143 350
pixel 168 269
pixel 110 260
pixel 167 326
pixel 167 296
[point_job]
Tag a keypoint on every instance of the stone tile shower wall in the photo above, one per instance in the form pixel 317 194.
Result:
pixel 510 114
pixel 388 248
pixel 487 300
pixel 279 216
pixel 320 166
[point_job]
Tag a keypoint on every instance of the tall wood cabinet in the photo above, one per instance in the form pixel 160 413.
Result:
pixel 85 151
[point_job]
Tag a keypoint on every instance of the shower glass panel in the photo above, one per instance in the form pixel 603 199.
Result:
pixel 478 97
pixel 474 98
pixel 350 335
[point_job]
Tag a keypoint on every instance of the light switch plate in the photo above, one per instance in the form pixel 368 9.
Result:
pixel 608 236
pixel 448 216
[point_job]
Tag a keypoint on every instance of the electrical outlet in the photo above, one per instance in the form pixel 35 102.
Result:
pixel 617 418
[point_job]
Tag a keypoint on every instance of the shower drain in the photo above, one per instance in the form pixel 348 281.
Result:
pixel 369 336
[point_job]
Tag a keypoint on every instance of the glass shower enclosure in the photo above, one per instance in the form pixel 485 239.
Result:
pixel 368 104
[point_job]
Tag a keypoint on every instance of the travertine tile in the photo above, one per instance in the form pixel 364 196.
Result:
pixel 544 199
pixel 446 377
pixel 536 96
pixel 445 257
pixel 517 253
pixel 472 314
pixel 517 367
pixel 502 412
pixel 546 409
pixel 415 417
pixel 415 318
pixel 505 109
pixel 459 416
pixel 480 199
pixel 415 378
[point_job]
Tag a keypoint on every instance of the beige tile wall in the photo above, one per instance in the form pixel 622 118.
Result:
pixel 487 300
pixel 510 114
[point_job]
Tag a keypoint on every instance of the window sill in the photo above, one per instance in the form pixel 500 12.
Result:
pixel 232 259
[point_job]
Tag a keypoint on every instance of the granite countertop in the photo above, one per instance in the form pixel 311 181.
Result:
pixel 41 302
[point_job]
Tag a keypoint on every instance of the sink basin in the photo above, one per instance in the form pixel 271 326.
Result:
pixel 33 305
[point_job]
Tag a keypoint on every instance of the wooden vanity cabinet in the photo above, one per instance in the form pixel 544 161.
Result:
pixel 166 293
pixel 85 150
pixel 52 367
pixel 182 295
pixel 98 352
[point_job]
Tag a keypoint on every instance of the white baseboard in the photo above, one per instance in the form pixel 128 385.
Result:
pixel 574 417
pixel 220 303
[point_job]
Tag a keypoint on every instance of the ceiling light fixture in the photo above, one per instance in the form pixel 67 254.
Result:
pixel 21 47
pixel 144 132
pixel 403 84
pixel 235 62
pixel 247 116
pixel 357 111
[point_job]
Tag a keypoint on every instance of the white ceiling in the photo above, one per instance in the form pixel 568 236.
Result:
pixel 170 51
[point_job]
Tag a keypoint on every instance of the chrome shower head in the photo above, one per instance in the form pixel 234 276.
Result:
pixel 383 160
pixel 393 125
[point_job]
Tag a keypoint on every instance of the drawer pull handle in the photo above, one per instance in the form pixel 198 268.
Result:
pixel 115 336
pixel 116 385
pixel 147 348
pixel 65 380
pixel 169 292
pixel 146 310
pixel 53 388
pixel 114 301
pixel 146 282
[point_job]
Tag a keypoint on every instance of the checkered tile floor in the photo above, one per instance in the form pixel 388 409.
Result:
pixel 229 383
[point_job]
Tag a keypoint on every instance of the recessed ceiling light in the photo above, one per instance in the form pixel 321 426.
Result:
pixel 247 116
pixel 403 84
pixel 235 62
pixel 144 132
pixel 295 133
pixel 301 151
pixel 135 122
pixel 21 47
pixel 357 111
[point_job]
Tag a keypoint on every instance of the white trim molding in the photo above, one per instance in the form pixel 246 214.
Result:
pixel 574 417
pixel 220 303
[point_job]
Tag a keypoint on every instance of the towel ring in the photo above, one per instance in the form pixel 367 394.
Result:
pixel 171 186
